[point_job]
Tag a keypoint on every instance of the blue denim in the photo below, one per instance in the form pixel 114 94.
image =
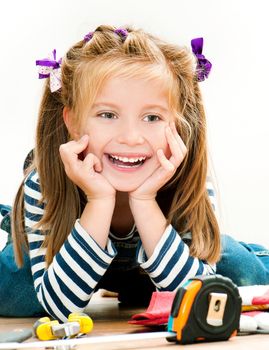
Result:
pixel 245 264
pixel 17 295
pixel 5 211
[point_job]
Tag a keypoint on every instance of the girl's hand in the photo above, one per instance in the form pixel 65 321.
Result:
pixel 85 173
pixel 167 168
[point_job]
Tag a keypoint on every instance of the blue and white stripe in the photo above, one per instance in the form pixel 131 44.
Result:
pixel 171 264
pixel 68 283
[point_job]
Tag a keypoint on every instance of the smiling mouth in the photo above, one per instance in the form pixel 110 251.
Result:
pixel 126 162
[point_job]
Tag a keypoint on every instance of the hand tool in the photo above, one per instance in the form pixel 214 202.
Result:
pixel 47 329
pixel 205 308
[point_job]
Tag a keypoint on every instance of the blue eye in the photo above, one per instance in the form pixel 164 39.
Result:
pixel 152 118
pixel 107 115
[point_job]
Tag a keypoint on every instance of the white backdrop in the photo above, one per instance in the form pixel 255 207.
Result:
pixel 236 94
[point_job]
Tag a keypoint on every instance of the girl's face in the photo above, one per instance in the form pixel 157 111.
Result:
pixel 126 126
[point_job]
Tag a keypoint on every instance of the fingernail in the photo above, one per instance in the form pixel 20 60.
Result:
pixel 171 167
pixel 84 137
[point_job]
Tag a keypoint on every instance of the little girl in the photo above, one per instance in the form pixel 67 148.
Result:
pixel 117 196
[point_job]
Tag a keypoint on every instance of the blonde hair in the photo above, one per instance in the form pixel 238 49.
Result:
pixel 85 68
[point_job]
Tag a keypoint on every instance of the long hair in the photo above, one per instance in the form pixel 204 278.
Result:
pixel 85 68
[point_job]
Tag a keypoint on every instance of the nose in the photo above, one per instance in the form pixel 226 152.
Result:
pixel 130 134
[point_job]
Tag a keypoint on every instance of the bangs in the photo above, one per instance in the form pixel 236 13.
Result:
pixel 91 77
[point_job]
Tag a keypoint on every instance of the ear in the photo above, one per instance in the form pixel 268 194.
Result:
pixel 69 122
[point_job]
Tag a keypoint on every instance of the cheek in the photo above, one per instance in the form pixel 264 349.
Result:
pixel 160 141
pixel 96 139
pixel 94 145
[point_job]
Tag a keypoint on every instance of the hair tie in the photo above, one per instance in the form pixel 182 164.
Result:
pixel 49 67
pixel 88 36
pixel 203 65
pixel 123 33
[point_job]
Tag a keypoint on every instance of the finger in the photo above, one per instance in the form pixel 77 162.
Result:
pixel 178 149
pixel 69 153
pixel 74 147
pixel 178 138
pixel 165 163
pixel 92 163
pixel 176 153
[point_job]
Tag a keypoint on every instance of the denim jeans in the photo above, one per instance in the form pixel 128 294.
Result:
pixel 245 264
pixel 17 295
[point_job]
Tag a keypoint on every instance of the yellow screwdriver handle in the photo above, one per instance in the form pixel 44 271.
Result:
pixel 86 323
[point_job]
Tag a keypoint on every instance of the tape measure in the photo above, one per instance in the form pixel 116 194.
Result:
pixel 205 308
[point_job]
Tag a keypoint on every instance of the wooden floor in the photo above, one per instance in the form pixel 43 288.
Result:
pixel 110 318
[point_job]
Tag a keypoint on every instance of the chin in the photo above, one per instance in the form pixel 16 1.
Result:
pixel 125 187
pixel 124 182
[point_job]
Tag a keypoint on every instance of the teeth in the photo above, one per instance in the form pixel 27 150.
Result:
pixel 128 160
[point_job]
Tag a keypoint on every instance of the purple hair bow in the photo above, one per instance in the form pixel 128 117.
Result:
pixel 203 65
pixel 49 67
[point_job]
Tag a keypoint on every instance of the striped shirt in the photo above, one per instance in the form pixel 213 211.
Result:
pixel 82 266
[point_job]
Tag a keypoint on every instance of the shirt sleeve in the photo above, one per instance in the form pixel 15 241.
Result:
pixel 171 264
pixel 68 283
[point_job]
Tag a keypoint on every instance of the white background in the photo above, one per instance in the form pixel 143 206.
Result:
pixel 235 95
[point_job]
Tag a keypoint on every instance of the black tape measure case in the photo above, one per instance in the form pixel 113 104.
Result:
pixel 206 308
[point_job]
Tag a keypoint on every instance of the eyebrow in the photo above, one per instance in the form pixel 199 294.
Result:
pixel 102 104
pixel 148 106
